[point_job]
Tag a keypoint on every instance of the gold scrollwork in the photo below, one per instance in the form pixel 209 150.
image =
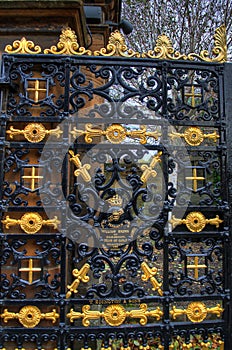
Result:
pixel 30 222
pixel 149 274
pixel 194 136
pixel 164 50
pixel 29 316
pixel 23 46
pixel 80 276
pixel 116 47
pixel 115 133
pixel 114 315
pixel 34 132
pixel 148 170
pixel 197 311
pixel 195 221
pixel 82 169
pixel 67 45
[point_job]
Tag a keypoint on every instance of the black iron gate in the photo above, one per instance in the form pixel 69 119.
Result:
pixel 115 217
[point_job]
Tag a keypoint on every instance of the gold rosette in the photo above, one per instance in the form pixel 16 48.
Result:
pixel 196 312
pixel 29 316
pixel 115 133
pixel 194 136
pixel 34 132
pixel 31 222
pixel 115 315
pixel 195 221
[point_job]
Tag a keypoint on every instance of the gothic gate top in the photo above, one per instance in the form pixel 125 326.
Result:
pixel 115 197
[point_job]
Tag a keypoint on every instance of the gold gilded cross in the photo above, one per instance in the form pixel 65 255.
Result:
pixel 32 177
pixel 30 269
pixel 192 95
pixel 36 89
pixel 196 267
pixel 195 178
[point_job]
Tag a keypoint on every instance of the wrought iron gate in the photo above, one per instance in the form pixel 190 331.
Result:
pixel 115 217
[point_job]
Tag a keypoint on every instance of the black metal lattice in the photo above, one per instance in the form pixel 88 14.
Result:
pixel 175 106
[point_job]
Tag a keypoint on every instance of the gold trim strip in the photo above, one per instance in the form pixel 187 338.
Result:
pixel 34 132
pixel 195 221
pixel 115 133
pixel 29 316
pixel 114 315
pixel 30 222
pixel 196 312
pixel 80 276
pixel 194 136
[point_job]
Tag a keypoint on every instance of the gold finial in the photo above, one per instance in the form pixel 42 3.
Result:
pixel 116 47
pixel 67 45
pixel 149 274
pixel 80 276
pixel 82 169
pixel 148 170
pixel 23 46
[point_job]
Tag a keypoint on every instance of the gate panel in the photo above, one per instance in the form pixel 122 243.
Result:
pixel 114 204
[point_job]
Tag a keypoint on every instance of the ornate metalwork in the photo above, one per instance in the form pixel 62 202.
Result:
pixel 195 178
pixel 149 274
pixel 23 46
pixel 31 222
pixel 29 316
pixel 115 133
pixel 67 45
pixel 194 136
pixel 33 177
pixel 34 132
pixel 80 276
pixel 197 311
pixel 82 169
pixel 116 47
pixel 114 315
pixel 195 221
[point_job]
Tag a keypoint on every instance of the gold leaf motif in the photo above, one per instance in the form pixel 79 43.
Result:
pixel 67 45
pixel 219 49
pixel 195 221
pixel 23 46
pixel 31 222
pixel 81 169
pixel 194 136
pixel 116 47
pixel 197 311
pixel 34 132
pixel 29 316
pixel 149 274
pixel 164 50
pixel 148 170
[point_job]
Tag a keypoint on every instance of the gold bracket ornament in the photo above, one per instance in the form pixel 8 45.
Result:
pixel 149 274
pixel 82 169
pixel 34 132
pixel 116 47
pixel 197 311
pixel 67 45
pixel 115 133
pixel 80 276
pixel 148 170
pixel 114 315
pixel 31 222
pixel 23 46
pixel 194 136
pixel 29 316
pixel 195 221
